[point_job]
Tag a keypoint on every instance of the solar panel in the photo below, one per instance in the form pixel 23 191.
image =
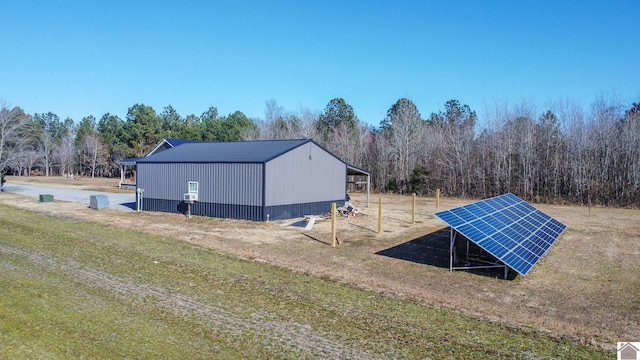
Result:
pixel 508 228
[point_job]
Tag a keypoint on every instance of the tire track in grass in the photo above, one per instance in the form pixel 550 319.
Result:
pixel 289 335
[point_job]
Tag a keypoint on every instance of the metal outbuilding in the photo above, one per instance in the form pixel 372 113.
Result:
pixel 252 180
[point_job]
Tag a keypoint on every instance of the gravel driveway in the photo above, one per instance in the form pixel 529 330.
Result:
pixel 117 201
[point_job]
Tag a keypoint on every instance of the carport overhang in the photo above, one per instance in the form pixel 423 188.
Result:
pixel 352 170
pixel 131 163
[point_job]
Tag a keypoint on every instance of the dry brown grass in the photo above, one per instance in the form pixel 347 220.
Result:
pixel 587 287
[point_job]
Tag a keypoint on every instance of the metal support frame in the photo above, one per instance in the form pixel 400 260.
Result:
pixel 472 263
pixel 353 171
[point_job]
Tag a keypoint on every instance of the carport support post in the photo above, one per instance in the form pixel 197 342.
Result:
pixel 379 215
pixel 368 187
pixel 437 199
pixel 333 224
pixel 413 208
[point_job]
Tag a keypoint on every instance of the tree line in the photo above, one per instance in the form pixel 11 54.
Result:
pixel 561 152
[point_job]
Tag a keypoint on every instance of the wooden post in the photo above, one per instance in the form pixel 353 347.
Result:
pixel 380 215
pixel 333 224
pixel 437 199
pixel 413 208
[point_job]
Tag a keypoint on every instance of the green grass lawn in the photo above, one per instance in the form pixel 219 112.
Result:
pixel 80 290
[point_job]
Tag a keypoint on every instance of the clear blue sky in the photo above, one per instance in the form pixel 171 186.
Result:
pixel 79 58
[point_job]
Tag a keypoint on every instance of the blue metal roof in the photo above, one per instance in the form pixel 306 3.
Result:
pixel 176 142
pixel 171 144
pixel 224 152
pixel 129 161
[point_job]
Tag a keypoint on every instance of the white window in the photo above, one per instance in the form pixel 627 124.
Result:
pixel 193 187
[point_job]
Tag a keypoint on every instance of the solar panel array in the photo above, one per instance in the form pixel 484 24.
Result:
pixel 508 228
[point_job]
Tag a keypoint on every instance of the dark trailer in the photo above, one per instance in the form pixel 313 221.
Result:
pixel 251 180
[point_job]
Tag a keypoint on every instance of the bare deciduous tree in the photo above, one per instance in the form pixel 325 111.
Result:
pixel 13 126
pixel 65 152
pixel 402 127
pixel 92 152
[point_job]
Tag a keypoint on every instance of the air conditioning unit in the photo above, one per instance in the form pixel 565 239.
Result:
pixel 191 197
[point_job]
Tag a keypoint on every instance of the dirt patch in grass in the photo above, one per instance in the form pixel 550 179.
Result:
pixel 587 287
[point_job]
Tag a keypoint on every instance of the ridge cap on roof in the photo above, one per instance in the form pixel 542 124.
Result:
pixel 301 142
pixel 277 148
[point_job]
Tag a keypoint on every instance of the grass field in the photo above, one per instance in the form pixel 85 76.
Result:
pixel 74 289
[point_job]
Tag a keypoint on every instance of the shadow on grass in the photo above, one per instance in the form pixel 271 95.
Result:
pixel 433 249
pixel 396 219
pixel 363 228
pixel 314 239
